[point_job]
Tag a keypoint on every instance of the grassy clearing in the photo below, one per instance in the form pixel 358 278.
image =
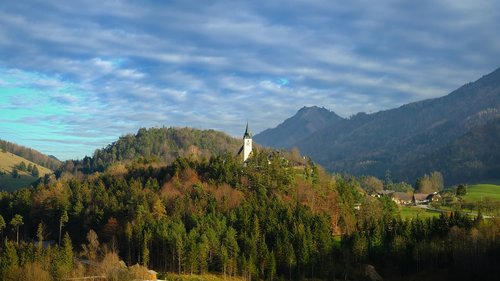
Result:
pixel 477 192
pixel 202 277
pixel 415 212
pixel 9 160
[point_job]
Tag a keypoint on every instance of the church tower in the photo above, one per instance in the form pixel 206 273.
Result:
pixel 247 144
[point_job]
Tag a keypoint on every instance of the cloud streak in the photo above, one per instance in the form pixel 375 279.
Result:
pixel 91 71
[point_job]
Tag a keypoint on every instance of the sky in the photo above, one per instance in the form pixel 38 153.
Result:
pixel 77 75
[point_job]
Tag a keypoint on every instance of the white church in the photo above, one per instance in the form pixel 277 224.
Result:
pixel 247 145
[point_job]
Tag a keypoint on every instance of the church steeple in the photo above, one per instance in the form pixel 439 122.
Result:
pixel 246 148
pixel 247 134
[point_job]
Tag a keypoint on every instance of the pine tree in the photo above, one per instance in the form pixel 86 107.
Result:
pixel 35 172
pixel 62 220
pixel 2 226
pixel 17 222
pixel 15 173
pixel 22 166
pixel 62 263
pixel 9 260
pixel 40 236
pixel 66 254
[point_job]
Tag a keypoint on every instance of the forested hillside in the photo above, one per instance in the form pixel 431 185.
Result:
pixel 471 158
pixel 397 139
pixel 32 155
pixel 162 145
pixel 269 219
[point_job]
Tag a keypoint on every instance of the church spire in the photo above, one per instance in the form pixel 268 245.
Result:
pixel 247 134
pixel 247 144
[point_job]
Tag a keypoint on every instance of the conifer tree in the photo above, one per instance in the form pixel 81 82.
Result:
pixel 35 172
pixel 2 226
pixel 16 222
pixel 40 236
pixel 9 260
pixel 65 255
pixel 62 220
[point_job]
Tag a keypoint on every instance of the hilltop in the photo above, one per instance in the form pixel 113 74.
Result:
pixel 161 145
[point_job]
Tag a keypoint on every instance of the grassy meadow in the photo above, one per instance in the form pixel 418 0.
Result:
pixel 409 212
pixel 477 192
pixel 7 163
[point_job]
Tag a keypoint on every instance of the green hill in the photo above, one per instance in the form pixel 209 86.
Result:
pixel 8 162
pixel 162 145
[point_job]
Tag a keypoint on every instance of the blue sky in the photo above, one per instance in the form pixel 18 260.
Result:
pixel 74 76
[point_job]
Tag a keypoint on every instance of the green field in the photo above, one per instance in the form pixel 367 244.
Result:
pixel 477 192
pixel 414 212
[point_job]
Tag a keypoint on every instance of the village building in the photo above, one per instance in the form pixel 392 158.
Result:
pixel 402 198
pixel 425 198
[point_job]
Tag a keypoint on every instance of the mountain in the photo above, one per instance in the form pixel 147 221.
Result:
pixel 51 162
pixel 162 145
pixel 396 139
pixel 307 121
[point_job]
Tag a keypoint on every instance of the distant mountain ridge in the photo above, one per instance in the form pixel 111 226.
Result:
pixel 395 139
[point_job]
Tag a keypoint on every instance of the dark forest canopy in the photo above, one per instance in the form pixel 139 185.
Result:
pixel 278 216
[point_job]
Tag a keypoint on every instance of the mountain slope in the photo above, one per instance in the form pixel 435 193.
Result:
pixel 395 139
pixel 8 162
pixel 157 144
pixel 30 154
pixel 472 157
pixel 307 121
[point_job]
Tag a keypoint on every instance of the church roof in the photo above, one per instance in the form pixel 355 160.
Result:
pixel 247 134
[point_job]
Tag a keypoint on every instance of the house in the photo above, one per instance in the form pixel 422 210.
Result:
pixel 402 198
pixel 425 198
pixel 382 193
